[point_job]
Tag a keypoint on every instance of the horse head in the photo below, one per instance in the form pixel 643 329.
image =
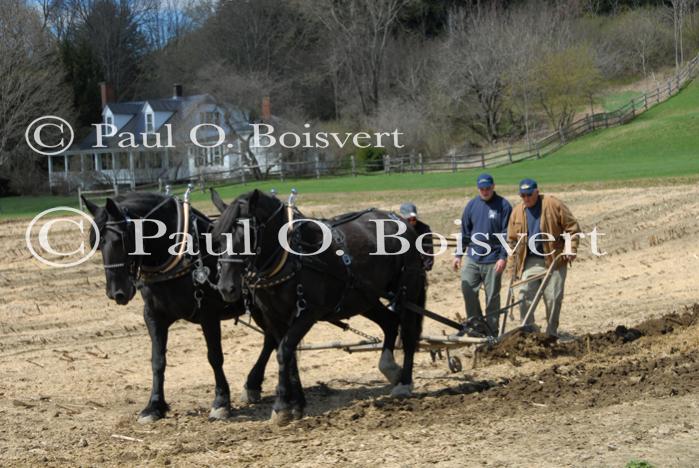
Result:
pixel 113 239
pixel 249 222
pixel 117 239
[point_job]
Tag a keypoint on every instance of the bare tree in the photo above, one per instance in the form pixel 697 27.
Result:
pixel 679 9
pixel 360 32
pixel 474 63
pixel 240 95
pixel 31 84
pixel 565 80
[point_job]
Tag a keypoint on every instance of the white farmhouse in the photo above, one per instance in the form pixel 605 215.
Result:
pixel 152 141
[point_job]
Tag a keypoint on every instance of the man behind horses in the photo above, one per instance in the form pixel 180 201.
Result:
pixel 536 218
pixel 483 217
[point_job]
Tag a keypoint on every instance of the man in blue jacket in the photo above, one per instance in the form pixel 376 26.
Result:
pixel 485 257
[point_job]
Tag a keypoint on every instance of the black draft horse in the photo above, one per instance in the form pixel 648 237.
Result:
pixel 331 276
pixel 168 287
pixel 173 295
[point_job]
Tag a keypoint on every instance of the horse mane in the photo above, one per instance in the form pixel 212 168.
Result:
pixel 225 222
pixel 231 214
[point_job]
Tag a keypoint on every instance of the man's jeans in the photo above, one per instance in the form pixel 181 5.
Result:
pixel 472 275
pixel 553 292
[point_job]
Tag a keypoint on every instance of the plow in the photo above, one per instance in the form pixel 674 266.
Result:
pixel 473 333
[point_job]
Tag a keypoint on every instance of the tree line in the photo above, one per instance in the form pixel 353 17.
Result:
pixel 450 74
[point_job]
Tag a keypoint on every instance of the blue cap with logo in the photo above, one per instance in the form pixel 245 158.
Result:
pixel 485 181
pixel 527 186
pixel 408 210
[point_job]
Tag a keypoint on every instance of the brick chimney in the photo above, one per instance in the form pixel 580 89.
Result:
pixel 177 91
pixel 106 93
pixel 266 108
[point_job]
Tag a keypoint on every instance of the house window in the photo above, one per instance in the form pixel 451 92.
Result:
pixel 149 122
pixel 210 118
pixel 200 159
pixel 155 160
pixel 123 160
pixel 218 156
pixel 139 161
pixel 106 161
pixel 89 162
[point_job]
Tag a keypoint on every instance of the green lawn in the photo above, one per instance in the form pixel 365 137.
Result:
pixel 614 101
pixel 661 143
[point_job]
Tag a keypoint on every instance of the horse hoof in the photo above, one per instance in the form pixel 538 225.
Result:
pixel 402 391
pixel 220 413
pixel 281 417
pixel 250 396
pixel 297 413
pixel 148 418
pixel 389 368
pixel 392 372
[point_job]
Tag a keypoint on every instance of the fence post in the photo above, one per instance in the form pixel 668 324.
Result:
pixel 657 96
pixel 402 160
pixel 353 162
pixel 317 165
pixel 160 184
pixel 201 182
pixel 606 120
pixel 669 88
pixel 387 164
pixel 80 198
pixel 453 163
pixel 242 173
pixel 633 108
pixel 678 81
pixel 482 159
pixel 281 167
pixel 645 101
pixel 538 151
pixel 509 154
pixel 421 163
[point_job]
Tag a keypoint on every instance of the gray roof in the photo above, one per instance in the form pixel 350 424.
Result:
pixel 181 109
pixel 125 108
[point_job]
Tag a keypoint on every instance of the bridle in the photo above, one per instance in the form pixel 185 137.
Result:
pixel 255 276
pixel 134 263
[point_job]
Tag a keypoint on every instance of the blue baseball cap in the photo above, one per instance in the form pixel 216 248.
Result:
pixel 485 181
pixel 527 186
pixel 408 210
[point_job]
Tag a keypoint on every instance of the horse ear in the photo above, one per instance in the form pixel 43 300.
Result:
pixel 254 197
pixel 91 207
pixel 113 209
pixel 217 201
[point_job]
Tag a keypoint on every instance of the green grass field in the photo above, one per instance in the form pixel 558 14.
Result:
pixel 614 101
pixel 661 143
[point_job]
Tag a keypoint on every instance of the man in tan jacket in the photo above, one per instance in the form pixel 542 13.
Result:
pixel 537 232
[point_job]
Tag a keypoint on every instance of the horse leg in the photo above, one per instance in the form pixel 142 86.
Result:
pixel 411 327
pixel 281 411
pixel 221 407
pixel 298 398
pixel 253 385
pixel 157 329
pixel 388 322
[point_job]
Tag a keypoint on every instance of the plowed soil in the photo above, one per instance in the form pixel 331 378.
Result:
pixel 75 367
